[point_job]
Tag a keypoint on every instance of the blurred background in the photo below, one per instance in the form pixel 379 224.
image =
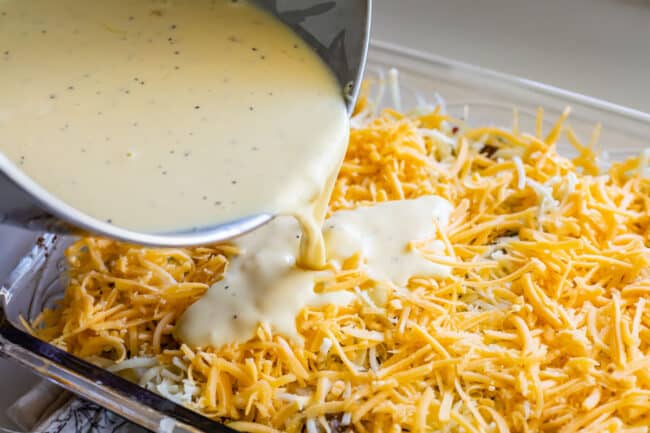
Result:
pixel 599 48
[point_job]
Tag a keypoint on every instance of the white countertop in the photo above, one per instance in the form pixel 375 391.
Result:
pixel 597 47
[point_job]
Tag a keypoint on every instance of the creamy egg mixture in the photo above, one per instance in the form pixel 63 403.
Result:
pixel 263 284
pixel 162 116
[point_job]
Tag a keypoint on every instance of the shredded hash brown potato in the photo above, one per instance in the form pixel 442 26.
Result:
pixel 543 326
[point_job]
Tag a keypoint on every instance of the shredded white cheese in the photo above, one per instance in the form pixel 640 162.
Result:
pixel 364 334
pixel 325 346
pixel 436 134
pixel 302 400
pixel 521 172
pixel 137 362
pixel 311 425
pixel 547 202
pixel 393 83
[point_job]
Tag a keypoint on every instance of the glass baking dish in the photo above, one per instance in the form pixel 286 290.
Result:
pixel 479 96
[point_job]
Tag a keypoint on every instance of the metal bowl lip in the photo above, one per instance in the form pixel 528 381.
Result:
pixel 80 221
pixel 77 221
pixel 363 61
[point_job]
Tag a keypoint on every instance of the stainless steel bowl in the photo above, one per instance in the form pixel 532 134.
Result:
pixel 338 30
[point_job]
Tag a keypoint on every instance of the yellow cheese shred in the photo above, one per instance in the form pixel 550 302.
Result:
pixel 542 326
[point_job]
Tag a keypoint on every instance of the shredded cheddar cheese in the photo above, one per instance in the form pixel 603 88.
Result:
pixel 543 326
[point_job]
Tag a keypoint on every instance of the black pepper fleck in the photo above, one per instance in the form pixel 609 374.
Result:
pixel 164 173
pixel 234 182
pixel 205 197
pixel 6 53
pixel 70 87
pixel 177 52
pixel 251 108
pixel 217 203
pixel 172 27
pixel 255 148
pixel 196 107
pixel 234 316
pixel 254 49
pixel 186 154
pixel 177 67
pixel 52 96
pixel 110 221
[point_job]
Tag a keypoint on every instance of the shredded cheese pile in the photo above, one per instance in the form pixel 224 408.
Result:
pixel 543 326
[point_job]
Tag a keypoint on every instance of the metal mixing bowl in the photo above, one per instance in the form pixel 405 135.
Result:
pixel 338 30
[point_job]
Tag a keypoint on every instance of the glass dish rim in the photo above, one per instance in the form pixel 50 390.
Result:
pixel 508 79
pixel 118 394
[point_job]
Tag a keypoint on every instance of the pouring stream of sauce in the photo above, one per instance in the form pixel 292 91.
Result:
pixel 263 284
